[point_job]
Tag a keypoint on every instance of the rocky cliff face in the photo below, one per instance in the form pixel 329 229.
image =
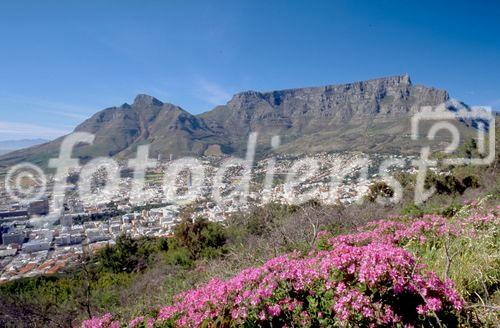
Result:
pixel 298 114
pixel 363 116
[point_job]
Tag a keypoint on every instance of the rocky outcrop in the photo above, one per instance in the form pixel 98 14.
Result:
pixel 297 114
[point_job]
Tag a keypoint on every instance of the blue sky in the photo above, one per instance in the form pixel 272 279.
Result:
pixel 61 61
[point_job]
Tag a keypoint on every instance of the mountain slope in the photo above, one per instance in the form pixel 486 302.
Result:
pixel 373 115
pixel 168 128
pixel 119 130
pixel 7 146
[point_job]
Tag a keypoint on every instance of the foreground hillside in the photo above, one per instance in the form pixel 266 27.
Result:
pixel 436 264
pixel 389 272
pixel 274 266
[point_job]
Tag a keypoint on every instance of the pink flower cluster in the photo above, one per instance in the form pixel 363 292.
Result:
pixel 394 232
pixel 365 279
pixel 106 321
pixel 376 284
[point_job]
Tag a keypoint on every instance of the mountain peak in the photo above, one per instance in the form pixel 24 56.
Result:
pixel 146 100
pixel 394 80
pixel 404 79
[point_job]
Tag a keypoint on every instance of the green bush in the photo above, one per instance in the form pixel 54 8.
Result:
pixel 379 189
pixel 198 235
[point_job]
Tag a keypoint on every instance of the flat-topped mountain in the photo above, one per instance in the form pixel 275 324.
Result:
pixel 324 118
pixel 368 116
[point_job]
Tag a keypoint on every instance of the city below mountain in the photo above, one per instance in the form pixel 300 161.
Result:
pixel 369 116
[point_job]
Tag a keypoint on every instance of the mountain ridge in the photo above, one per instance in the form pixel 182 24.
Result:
pixel 7 146
pixel 371 115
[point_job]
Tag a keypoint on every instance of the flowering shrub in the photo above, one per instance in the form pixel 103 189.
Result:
pixel 398 233
pixel 376 284
pixel 361 279
pixel 106 321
